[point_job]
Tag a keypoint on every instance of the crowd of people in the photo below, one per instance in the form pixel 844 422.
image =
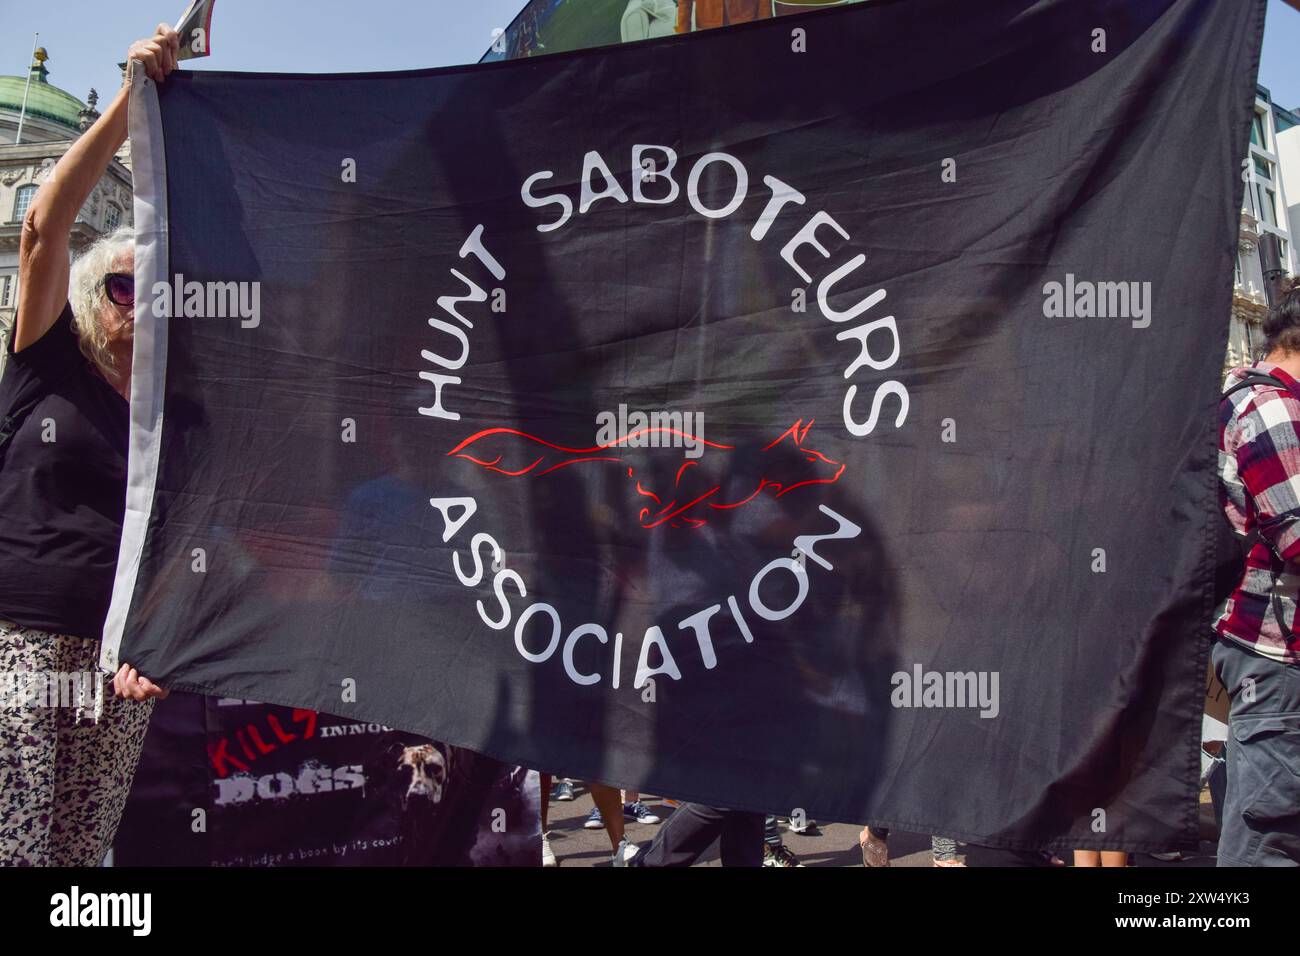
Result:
pixel 743 838
pixel 755 839
pixel 65 772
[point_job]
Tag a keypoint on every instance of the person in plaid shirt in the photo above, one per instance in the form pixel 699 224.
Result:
pixel 1257 655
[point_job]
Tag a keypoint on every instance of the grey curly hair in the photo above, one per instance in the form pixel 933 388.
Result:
pixel 87 297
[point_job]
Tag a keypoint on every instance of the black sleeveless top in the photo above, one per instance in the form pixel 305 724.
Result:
pixel 62 486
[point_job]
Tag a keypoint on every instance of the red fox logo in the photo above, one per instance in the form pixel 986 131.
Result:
pixel 695 492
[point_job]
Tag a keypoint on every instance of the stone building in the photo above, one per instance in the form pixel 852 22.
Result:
pixel 1270 205
pixel 53 120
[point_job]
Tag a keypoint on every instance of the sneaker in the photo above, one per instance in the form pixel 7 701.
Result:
pixel 781 856
pixel 562 791
pixel 956 861
pixel 638 813
pixel 1173 856
pixel 548 855
pixel 625 852
pixel 809 828
pixel 594 820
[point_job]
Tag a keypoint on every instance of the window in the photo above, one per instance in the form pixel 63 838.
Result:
pixel 1264 168
pixel 23 199
pixel 1264 203
pixel 1257 132
pixel 112 217
pixel 6 285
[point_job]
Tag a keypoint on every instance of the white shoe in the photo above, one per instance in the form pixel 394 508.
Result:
pixel 625 852
pixel 548 855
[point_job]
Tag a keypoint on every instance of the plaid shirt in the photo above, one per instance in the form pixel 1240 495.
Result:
pixel 1259 489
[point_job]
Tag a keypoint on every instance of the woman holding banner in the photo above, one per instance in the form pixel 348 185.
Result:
pixel 67 755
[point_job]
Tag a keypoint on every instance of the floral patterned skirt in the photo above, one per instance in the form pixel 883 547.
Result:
pixel 68 750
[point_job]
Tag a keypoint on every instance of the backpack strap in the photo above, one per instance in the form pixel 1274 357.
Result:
pixel 1251 380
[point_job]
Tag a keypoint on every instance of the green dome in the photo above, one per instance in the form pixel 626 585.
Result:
pixel 43 99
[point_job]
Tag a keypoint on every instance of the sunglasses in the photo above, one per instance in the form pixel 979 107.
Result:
pixel 120 288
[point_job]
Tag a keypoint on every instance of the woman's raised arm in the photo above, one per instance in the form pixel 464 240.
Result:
pixel 43 245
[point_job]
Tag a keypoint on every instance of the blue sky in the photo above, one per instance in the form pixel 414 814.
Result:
pixel 86 38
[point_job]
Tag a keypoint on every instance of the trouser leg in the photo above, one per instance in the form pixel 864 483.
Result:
pixel 692 828
pixel 100 740
pixel 943 848
pixel 1261 806
pixel 29 738
pixel 742 838
pixel 772 832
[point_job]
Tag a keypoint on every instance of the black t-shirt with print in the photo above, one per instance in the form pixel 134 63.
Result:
pixel 62 486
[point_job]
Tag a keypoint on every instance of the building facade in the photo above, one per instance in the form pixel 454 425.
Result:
pixel 1270 206
pixel 51 123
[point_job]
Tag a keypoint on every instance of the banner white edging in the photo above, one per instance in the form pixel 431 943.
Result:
pixel 149 364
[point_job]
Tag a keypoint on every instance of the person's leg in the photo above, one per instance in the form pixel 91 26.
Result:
pixel 874 843
pixel 944 851
pixel 742 838
pixel 100 740
pixel 1087 858
pixel 772 832
pixel 1261 807
pixel 634 809
pixel 548 854
pixel 1114 858
pixel 775 852
pixel 684 836
pixel 609 801
pixel 1218 782
pixel 28 745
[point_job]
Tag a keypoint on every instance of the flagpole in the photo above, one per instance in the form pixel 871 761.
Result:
pixel 22 115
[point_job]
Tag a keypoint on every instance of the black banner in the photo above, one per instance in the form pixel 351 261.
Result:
pixel 813 414
pixel 228 782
